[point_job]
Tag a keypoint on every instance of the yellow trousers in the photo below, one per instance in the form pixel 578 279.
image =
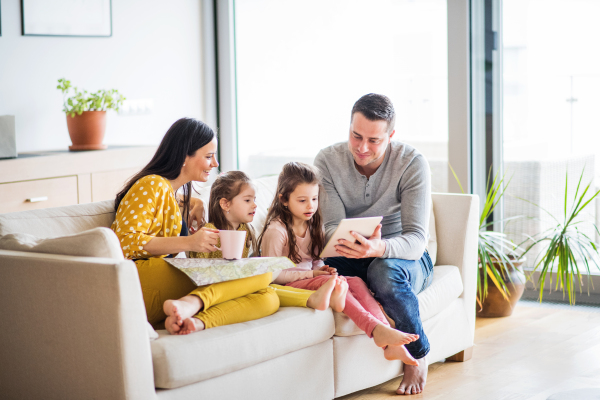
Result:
pixel 224 303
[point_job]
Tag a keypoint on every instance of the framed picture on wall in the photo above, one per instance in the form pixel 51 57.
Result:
pixel 66 18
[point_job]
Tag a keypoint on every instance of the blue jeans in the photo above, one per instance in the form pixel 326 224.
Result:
pixel 396 284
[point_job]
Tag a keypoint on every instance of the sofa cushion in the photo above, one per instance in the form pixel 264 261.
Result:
pixel 97 242
pixel 59 221
pixel 182 360
pixel 446 286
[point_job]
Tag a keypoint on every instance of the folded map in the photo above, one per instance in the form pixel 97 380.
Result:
pixel 204 271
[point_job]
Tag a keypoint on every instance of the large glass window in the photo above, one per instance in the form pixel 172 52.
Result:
pixel 300 66
pixel 551 103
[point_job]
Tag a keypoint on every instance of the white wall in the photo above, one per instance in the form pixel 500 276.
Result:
pixel 155 52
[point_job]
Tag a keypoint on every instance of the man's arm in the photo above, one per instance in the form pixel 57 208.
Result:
pixel 332 207
pixel 414 194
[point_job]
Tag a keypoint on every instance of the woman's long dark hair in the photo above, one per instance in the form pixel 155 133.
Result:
pixel 292 175
pixel 183 138
pixel 227 186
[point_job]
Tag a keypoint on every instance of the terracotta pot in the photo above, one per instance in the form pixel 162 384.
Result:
pixel 87 130
pixel 495 305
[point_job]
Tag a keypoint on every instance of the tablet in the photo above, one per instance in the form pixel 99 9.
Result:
pixel 362 226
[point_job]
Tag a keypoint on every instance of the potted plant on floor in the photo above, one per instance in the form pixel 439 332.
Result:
pixel 570 251
pixel 499 259
pixel 86 114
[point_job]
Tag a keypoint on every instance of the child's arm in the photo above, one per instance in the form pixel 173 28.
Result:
pixel 274 244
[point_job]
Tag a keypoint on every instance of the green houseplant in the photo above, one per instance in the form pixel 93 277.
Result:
pixel 569 248
pixel 499 260
pixel 86 114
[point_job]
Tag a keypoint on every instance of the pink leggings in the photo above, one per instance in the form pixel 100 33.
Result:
pixel 361 307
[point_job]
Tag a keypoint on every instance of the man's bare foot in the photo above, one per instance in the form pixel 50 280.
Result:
pixel 414 378
pixel 399 353
pixel 191 325
pixel 173 323
pixel 183 308
pixel 384 336
pixel 338 296
pixel 319 300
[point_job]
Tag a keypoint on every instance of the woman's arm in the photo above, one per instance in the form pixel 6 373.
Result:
pixel 204 240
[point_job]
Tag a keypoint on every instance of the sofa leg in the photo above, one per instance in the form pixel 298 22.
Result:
pixel 464 355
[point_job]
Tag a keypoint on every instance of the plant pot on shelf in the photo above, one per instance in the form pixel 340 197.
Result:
pixel 87 130
pixel 495 304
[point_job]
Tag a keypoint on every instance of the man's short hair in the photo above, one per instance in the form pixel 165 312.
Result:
pixel 376 107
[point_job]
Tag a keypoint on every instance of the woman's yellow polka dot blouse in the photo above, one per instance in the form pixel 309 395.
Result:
pixel 148 210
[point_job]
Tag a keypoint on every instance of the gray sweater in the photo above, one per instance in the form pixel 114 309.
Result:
pixel 399 190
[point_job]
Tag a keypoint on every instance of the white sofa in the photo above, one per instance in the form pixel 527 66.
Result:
pixel 75 327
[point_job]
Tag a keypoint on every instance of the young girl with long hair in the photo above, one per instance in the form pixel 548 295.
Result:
pixel 294 229
pixel 232 207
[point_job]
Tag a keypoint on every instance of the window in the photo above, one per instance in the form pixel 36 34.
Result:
pixel 300 66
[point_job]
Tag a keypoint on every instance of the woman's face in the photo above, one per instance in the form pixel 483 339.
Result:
pixel 198 166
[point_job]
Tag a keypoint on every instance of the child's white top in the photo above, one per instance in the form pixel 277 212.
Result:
pixel 275 244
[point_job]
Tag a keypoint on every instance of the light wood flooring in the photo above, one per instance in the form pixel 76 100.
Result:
pixel 538 351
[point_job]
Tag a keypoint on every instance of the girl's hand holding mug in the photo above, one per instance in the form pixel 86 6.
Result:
pixel 205 240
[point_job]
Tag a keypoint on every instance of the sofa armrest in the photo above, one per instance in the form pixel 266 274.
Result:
pixel 73 327
pixel 457 225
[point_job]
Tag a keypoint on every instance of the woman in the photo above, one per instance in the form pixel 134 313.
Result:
pixel 150 227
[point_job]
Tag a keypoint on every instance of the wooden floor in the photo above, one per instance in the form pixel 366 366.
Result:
pixel 538 351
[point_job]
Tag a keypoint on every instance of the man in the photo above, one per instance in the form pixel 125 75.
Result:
pixel 372 176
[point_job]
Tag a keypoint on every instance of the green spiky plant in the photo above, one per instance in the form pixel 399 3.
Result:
pixel 567 244
pixel 81 101
pixel 494 250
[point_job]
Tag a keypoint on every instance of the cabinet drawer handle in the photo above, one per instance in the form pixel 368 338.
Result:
pixel 37 199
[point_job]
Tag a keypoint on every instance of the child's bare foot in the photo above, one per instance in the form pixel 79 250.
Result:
pixel 399 353
pixel 191 325
pixel 173 324
pixel 319 300
pixel 182 308
pixel 338 296
pixel 384 335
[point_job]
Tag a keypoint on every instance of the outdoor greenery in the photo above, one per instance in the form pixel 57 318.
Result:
pixel 81 101
pixel 494 250
pixel 568 246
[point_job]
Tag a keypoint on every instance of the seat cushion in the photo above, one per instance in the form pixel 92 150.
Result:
pixel 182 360
pixel 97 242
pixel 59 221
pixel 445 287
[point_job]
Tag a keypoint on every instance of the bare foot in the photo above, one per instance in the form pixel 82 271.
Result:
pixel 399 353
pixel 384 336
pixel 183 308
pixel 191 325
pixel 414 378
pixel 319 300
pixel 173 323
pixel 338 296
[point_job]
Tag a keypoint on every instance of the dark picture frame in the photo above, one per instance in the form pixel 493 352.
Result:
pixel 88 18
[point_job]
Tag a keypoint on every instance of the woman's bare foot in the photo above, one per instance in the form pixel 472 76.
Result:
pixel 319 300
pixel 183 308
pixel 191 325
pixel 384 336
pixel 338 296
pixel 399 353
pixel 173 323
pixel 414 378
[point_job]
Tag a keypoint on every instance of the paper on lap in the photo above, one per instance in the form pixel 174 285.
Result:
pixel 204 271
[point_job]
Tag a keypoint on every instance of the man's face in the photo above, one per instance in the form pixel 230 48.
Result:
pixel 368 141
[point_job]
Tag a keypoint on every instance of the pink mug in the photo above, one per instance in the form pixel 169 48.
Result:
pixel 232 244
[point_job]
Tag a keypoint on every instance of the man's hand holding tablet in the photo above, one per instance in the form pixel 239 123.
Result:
pixel 371 247
pixel 347 240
